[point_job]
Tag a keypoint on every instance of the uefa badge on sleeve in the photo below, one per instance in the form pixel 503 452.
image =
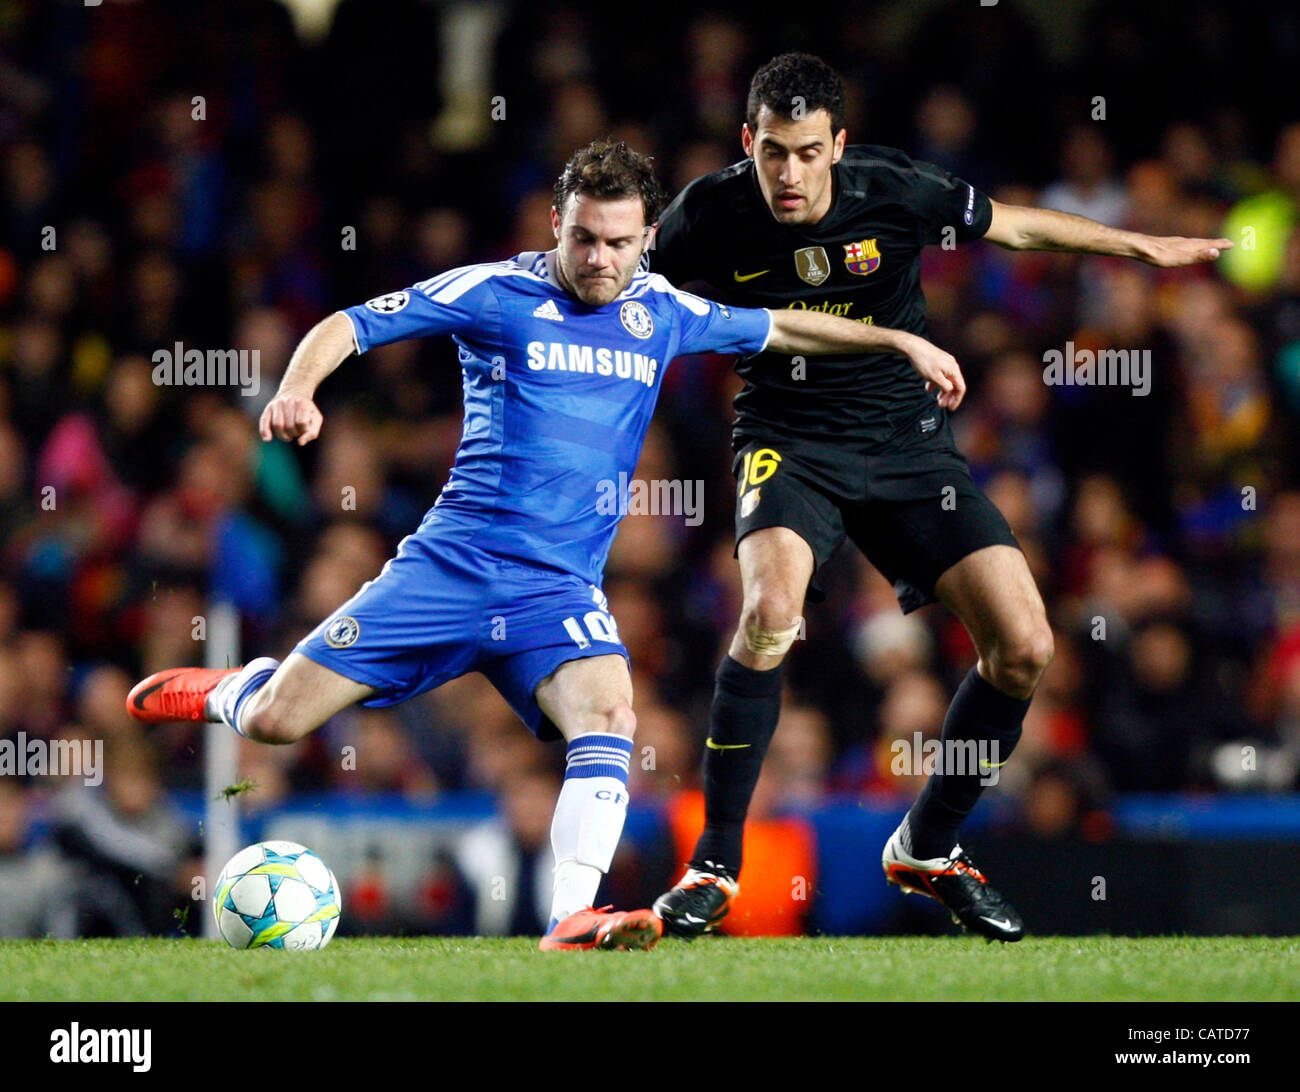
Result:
pixel 390 303
pixel 636 319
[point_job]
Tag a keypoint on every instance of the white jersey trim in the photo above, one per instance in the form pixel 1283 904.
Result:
pixel 471 277
pixel 356 345
pixel 450 286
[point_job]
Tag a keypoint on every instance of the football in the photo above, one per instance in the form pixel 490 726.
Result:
pixel 276 895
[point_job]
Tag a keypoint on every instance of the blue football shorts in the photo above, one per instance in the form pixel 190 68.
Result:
pixel 442 608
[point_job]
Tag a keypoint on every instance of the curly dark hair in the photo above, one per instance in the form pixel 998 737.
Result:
pixel 796 79
pixel 609 168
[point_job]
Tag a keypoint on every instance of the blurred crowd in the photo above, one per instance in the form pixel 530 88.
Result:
pixel 225 175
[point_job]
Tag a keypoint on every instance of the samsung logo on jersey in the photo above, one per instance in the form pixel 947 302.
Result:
pixel 559 356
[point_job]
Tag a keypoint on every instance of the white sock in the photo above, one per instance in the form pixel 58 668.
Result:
pixel 575 888
pixel 227 698
pixel 588 818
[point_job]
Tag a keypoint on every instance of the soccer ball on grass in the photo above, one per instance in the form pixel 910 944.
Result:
pixel 276 895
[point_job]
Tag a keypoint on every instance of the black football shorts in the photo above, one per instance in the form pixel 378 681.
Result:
pixel 911 506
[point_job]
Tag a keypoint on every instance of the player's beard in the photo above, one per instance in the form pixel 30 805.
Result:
pixel 802 213
pixel 597 291
pixel 797 215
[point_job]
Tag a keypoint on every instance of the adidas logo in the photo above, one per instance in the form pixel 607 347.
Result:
pixel 548 310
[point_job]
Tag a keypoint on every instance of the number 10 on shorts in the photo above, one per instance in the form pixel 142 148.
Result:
pixel 598 624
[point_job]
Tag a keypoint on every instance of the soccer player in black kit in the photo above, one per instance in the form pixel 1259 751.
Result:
pixel 835 447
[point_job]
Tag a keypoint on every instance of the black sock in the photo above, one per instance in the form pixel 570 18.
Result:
pixel 979 712
pixel 746 707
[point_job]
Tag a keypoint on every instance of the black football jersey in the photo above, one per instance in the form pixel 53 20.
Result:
pixel 862 261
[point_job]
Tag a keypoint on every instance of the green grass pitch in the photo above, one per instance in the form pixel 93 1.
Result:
pixel 720 969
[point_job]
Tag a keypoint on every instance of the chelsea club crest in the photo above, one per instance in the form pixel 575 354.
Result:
pixel 341 632
pixel 636 319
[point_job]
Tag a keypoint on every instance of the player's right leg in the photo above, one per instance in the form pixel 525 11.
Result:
pixel 776 565
pixel 297 699
pixel 266 701
pixel 409 629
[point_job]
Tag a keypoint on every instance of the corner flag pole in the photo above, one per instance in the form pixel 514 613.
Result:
pixel 221 832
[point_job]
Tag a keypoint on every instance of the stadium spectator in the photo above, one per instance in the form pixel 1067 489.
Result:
pixel 508 861
pixel 124 849
pixel 33 879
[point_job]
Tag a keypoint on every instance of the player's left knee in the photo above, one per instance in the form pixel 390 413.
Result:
pixel 1019 662
pixel 618 720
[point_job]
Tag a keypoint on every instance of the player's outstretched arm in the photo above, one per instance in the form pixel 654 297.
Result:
pixel 1018 228
pixel 291 414
pixel 813 333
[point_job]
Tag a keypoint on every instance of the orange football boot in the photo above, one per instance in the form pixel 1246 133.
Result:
pixel 623 930
pixel 178 694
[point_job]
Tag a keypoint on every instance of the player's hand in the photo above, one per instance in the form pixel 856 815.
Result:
pixel 939 370
pixel 291 416
pixel 1174 250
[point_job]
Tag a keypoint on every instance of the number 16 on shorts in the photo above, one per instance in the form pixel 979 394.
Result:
pixel 756 468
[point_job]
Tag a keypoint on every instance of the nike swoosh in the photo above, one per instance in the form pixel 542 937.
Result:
pixel 724 746
pixel 999 922
pixel 993 765
pixel 693 919
pixel 740 278
pixel 139 698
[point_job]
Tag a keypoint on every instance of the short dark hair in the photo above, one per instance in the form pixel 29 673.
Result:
pixel 609 168
pixel 796 80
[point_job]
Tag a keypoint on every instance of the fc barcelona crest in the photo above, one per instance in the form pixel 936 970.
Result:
pixel 812 264
pixel 862 257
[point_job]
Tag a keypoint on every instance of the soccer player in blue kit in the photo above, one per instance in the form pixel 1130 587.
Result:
pixel 562 355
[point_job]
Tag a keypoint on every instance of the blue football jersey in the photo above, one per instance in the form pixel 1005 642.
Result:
pixel 558 396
